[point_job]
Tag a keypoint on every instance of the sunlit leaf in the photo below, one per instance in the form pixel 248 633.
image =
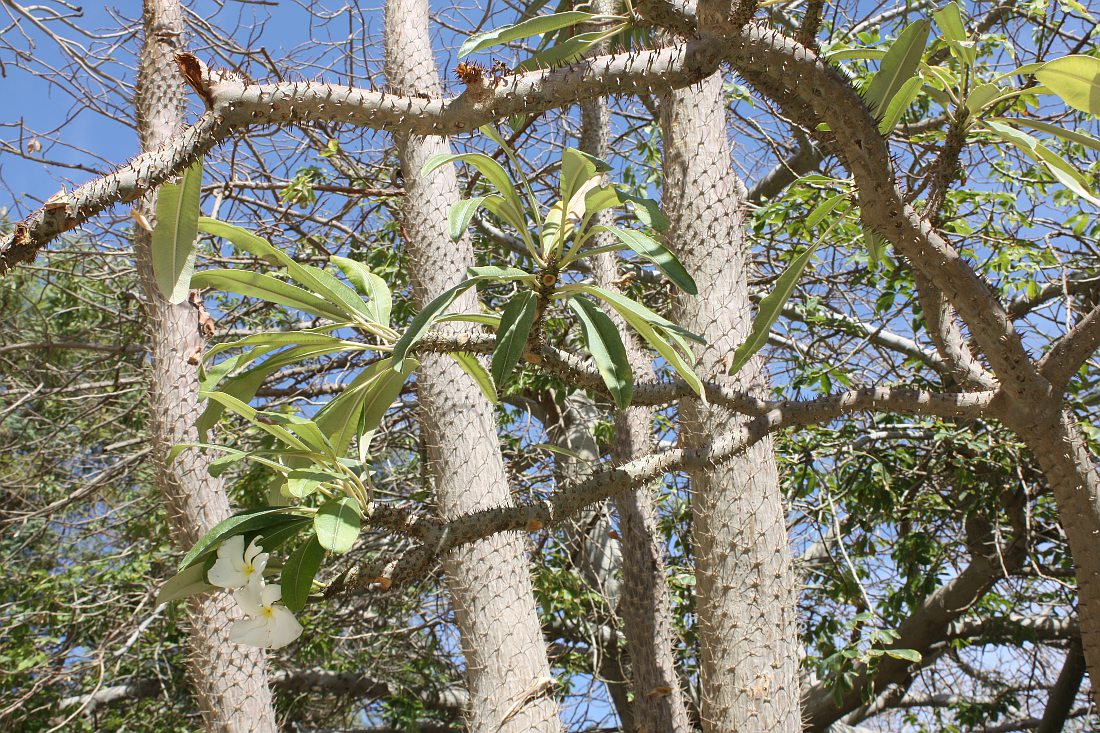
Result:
pixel 769 309
pixel 1076 79
pixel 337 524
pixel 603 341
pixel 173 244
pixel 899 65
pixel 525 29
pixel 515 327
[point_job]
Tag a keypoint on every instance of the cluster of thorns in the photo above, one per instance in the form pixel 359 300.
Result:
pixel 470 73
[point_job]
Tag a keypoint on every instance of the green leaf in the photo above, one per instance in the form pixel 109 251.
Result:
pixel 908 655
pixel 472 366
pixel 899 65
pixel 603 341
pixel 274 538
pixel 423 320
pixel 577 167
pixel 515 327
pixel 492 171
pixel 341 299
pixel 525 29
pixel 460 214
pixel 898 104
pixel 339 418
pixel 1058 166
pixel 1076 79
pixel 337 524
pixel 369 285
pixel 173 246
pixel 266 287
pixel 265 421
pixel 562 52
pixel 247 521
pixel 1072 136
pixel 648 211
pixel 301 482
pixel 632 309
pixel 187 582
pixel 665 337
pixel 243 386
pixel 655 252
pixel 875 244
pixel 950 22
pixel 1064 172
pixel 770 307
pixel 823 209
pixel 298 573
pixel 980 97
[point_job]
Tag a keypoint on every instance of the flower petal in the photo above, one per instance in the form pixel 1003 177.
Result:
pixel 284 628
pixel 232 547
pixel 225 575
pixel 253 632
pixel 249 598
pixel 271 594
pixel 252 551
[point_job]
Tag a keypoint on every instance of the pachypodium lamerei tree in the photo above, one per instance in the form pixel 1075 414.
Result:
pixel 557 287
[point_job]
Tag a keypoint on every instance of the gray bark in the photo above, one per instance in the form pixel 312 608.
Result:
pixel 507 669
pixel 645 605
pixel 229 681
pixel 748 636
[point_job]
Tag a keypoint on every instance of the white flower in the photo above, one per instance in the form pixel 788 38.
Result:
pixel 269 625
pixel 236 566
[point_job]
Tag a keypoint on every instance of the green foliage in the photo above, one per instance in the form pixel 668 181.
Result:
pixel 173 245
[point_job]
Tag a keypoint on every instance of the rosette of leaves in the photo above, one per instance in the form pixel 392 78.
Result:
pixel 318 493
pixel 557 239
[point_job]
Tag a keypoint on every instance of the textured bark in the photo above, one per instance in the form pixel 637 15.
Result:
pixel 644 605
pixel 593 547
pixel 229 681
pixel 507 669
pixel 1056 442
pixel 748 636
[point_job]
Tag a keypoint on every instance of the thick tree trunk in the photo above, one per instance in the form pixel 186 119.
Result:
pixel 507 669
pixel 644 605
pixel 229 681
pixel 593 546
pixel 748 636
pixel 1056 442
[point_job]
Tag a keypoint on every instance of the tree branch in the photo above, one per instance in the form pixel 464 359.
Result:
pixel 438 537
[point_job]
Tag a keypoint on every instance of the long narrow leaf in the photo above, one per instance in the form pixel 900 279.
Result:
pixel 899 65
pixel 603 341
pixel 298 573
pixel 525 29
pixel 173 246
pixel 770 307
pixel 655 252
pixel 515 327
pixel 247 521
pixel 266 287
pixel 369 285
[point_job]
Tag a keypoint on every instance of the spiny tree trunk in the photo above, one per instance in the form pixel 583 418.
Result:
pixel 748 637
pixel 229 681
pixel 1055 439
pixel 595 550
pixel 644 604
pixel 507 668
